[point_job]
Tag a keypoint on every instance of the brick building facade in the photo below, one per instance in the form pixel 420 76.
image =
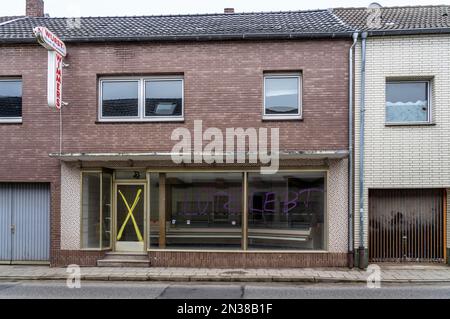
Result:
pixel 97 184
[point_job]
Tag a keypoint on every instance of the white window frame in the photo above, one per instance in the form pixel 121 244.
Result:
pixel 297 116
pixel 12 120
pixel 163 79
pixel 429 98
pixel 141 100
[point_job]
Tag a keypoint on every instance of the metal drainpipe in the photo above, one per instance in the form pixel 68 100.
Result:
pixel 350 143
pixel 362 256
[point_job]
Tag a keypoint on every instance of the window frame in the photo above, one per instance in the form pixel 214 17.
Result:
pixel 163 79
pixel 12 120
pixel 429 104
pixel 296 75
pixel 100 173
pixel 142 80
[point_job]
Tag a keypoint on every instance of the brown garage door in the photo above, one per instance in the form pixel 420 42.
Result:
pixel 407 225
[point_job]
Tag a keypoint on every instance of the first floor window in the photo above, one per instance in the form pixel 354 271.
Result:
pixel 120 99
pixel 282 96
pixel 164 98
pixel 10 100
pixel 141 99
pixel 96 210
pixel 408 102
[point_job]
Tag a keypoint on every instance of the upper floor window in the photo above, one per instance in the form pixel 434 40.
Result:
pixel 141 99
pixel 282 96
pixel 10 101
pixel 408 102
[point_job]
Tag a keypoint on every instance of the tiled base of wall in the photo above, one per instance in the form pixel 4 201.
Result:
pixel 214 259
pixel 81 258
pixel 247 260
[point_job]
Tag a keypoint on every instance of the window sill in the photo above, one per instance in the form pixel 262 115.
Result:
pixel 238 251
pixel 11 122
pixel 140 121
pixel 410 124
pixel 95 249
pixel 282 118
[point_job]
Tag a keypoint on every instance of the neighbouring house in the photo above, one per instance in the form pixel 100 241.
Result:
pixel 405 142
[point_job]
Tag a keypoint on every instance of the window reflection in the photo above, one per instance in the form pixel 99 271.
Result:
pixel 407 102
pixel 286 211
pixel 203 210
pixel 120 98
pixel 11 99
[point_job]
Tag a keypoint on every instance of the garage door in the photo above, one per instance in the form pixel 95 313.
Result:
pixel 24 222
pixel 407 225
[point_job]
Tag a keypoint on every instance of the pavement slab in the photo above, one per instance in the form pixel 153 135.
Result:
pixel 437 274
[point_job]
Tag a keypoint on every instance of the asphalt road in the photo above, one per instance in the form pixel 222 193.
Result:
pixel 147 290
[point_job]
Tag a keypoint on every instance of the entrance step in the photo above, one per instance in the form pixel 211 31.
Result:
pixel 133 260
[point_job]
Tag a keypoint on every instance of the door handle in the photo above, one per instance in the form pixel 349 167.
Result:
pixel 13 229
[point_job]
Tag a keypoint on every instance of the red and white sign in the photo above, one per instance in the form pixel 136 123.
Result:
pixel 49 40
pixel 55 62
pixel 56 53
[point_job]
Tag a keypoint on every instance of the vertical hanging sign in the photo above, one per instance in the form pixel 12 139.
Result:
pixel 56 53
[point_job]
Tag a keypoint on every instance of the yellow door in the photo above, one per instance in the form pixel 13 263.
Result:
pixel 130 218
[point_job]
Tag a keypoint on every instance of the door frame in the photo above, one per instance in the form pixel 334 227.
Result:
pixel 114 213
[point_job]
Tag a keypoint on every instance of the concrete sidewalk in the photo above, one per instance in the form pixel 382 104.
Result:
pixel 389 274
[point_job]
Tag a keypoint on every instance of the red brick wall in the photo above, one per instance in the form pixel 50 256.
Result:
pixel 247 260
pixel 223 87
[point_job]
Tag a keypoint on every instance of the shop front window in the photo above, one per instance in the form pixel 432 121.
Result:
pixel 96 210
pixel 90 225
pixel 286 211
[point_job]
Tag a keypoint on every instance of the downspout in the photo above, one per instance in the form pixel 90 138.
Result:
pixel 362 251
pixel 351 156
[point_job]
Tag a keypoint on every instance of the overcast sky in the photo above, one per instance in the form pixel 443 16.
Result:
pixel 70 8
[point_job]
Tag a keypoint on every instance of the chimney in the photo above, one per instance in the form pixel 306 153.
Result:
pixel 35 8
pixel 228 10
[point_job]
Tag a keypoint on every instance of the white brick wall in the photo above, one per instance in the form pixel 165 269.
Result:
pixel 407 156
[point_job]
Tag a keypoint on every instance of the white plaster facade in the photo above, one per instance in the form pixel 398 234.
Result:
pixel 403 156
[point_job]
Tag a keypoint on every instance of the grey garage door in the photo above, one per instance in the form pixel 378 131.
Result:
pixel 24 222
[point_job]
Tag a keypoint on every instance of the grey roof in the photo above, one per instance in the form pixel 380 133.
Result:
pixel 339 22
pixel 11 18
pixel 413 19
pixel 314 23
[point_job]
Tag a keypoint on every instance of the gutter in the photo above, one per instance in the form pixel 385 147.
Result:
pixel 362 257
pixel 150 156
pixel 230 37
pixel 204 37
pixel 409 32
pixel 351 154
